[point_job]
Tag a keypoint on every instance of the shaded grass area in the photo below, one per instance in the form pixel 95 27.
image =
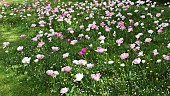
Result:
pixel 12 84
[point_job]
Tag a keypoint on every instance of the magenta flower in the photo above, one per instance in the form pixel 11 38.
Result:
pixel 83 50
pixel 40 56
pixel 96 77
pixel 81 53
pixel 66 69
pixel 124 55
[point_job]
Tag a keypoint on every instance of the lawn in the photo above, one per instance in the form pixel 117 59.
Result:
pixel 85 48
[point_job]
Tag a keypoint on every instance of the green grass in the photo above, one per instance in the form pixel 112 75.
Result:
pixel 12 84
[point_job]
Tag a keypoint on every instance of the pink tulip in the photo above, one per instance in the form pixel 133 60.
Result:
pixel 49 72
pixel 96 77
pixel 166 57
pixel 136 61
pixel 160 30
pixel 102 24
pixel 119 41
pixel 83 50
pixel 40 56
pixel 78 77
pixel 81 53
pixel 40 44
pixel 55 48
pixel 66 69
pixel 148 40
pixel 64 90
pixel 90 66
pixel 100 50
pixel 33 25
pixel 23 36
pixel 155 52
pixel 124 55
pixel 20 48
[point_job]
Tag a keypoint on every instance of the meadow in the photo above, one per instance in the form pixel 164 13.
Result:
pixel 85 48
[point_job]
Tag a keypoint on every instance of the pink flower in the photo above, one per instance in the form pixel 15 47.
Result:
pixel 136 61
pixel 102 24
pixel 81 53
pixel 5 44
pixel 124 55
pixel 155 52
pixel 119 41
pixel 121 23
pixel 49 72
pixel 82 62
pixel 140 53
pixel 90 66
pixel 158 14
pixel 66 69
pixel 40 56
pixel 23 36
pixel 83 50
pixel 148 40
pixel 33 25
pixel 40 44
pixel 96 77
pixel 55 48
pixel 78 77
pixel 100 50
pixel 107 29
pixel 130 29
pixel 64 90
pixel 20 48
pixel 160 30
pixel 166 57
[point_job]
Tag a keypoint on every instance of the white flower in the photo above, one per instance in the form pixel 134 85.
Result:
pixel 110 62
pixel 158 61
pixel 56 72
pixel 73 42
pixel 26 60
pixel 78 77
pixel 122 65
pixel 36 60
pixel 65 55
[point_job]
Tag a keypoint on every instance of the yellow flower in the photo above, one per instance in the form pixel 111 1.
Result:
pixel 156 79
pixel 168 86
